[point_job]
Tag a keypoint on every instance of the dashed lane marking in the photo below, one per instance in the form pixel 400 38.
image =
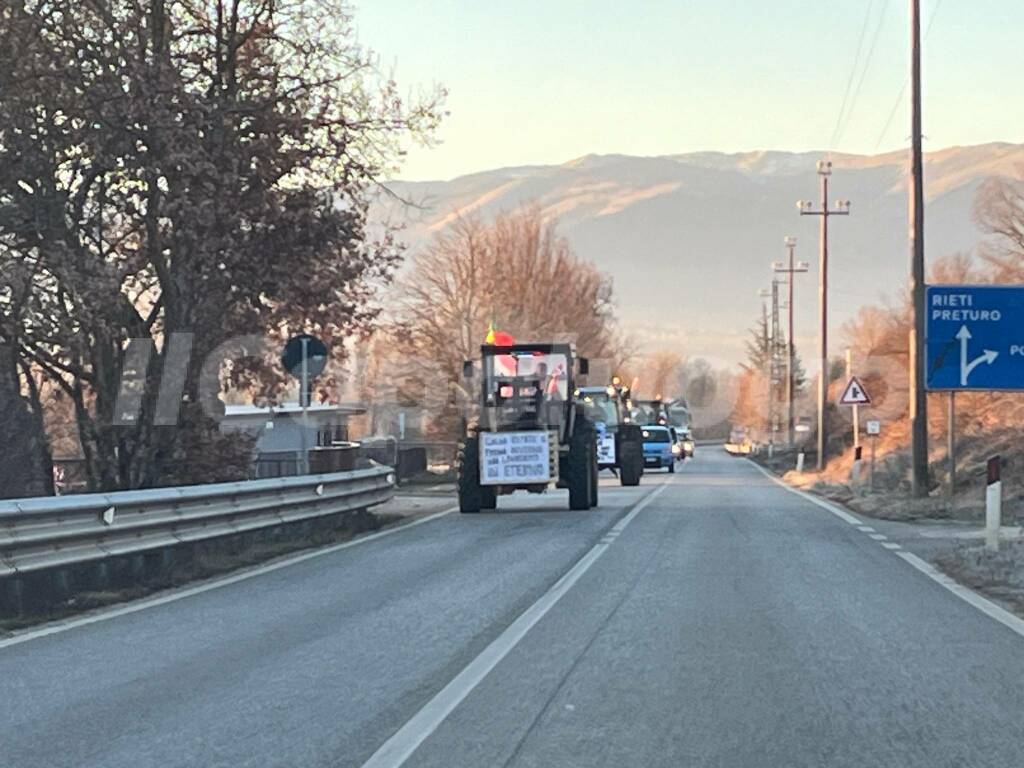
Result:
pixel 983 604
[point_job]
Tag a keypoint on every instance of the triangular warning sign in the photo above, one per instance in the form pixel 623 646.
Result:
pixel 854 394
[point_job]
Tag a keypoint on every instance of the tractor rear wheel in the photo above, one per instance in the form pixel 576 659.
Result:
pixel 472 496
pixel 595 470
pixel 631 456
pixel 581 465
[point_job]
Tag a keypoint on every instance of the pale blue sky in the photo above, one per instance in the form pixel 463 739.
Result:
pixel 544 81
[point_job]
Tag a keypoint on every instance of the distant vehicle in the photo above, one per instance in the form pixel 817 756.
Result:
pixel 686 442
pixel 660 447
pixel 619 442
pixel 674 412
pixel 739 443
pixel 678 412
pixel 648 412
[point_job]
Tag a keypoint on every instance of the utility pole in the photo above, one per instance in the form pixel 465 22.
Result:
pixel 790 271
pixel 768 346
pixel 918 396
pixel 807 209
pixel 951 447
pixel 776 348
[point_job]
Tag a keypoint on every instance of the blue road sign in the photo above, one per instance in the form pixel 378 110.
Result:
pixel 975 337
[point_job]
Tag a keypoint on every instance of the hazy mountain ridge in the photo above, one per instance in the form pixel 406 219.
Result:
pixel 689 238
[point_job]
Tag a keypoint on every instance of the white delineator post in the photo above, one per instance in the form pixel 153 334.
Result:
pixel 993 505
pixel 800 462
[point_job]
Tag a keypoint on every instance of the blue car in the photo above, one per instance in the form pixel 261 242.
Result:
pixel 660 449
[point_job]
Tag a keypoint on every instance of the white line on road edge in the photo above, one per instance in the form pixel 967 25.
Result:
pixel 840 513
pixel 983 604
pixel 396 750
pixel 966 594
pixel 206 586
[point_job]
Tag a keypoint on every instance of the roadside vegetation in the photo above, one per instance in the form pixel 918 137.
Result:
pixel 189 173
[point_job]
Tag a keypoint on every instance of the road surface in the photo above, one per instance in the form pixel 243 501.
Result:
pixel 711 618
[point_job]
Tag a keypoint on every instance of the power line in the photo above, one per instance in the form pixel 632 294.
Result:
pixel 906 82
pixel 853 72
pixel 867 66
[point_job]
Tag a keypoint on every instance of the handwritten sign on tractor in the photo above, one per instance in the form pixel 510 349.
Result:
pixel 514 458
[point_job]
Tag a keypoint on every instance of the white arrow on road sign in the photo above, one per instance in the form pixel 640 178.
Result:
pixel 854 394
pixel 988 356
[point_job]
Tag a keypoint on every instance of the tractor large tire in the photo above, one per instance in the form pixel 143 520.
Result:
pixel 631 456
pixel 582 464
pixel 594 472
pixel 472 496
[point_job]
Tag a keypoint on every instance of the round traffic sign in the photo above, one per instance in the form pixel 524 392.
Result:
pixel 304 346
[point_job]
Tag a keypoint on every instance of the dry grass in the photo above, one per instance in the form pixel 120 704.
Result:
pixel 999 575
pixel 890 498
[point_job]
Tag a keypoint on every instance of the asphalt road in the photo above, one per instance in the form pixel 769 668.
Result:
pixel 719 620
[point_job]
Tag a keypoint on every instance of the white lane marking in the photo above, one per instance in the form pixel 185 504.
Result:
pixel 407 739
pixel 865 528
pixel 206 586
pixel 878 536
pixel 840 513
pixel 983 604
pixel 966 594
pixel 891 545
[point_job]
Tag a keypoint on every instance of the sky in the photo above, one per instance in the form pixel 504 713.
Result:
pixel 545 81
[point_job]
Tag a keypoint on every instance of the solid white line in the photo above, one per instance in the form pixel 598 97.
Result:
pixel 966 594
pixel 840 513
pixel 206 586
pixel 397 749
pixel 983 604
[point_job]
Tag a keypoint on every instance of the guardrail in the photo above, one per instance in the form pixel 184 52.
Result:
pixel 54 532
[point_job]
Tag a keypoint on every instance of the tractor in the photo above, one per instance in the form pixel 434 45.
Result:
pixel 531 433
pixel 647 412
pixel 620 446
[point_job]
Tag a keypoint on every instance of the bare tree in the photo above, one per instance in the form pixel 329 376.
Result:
pixel 515 272
pixel 199 168
pixel 999 211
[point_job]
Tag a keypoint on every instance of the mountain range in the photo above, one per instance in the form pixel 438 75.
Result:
pixel 689 239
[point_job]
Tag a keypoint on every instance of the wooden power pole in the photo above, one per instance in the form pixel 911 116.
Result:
pixel 918 395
